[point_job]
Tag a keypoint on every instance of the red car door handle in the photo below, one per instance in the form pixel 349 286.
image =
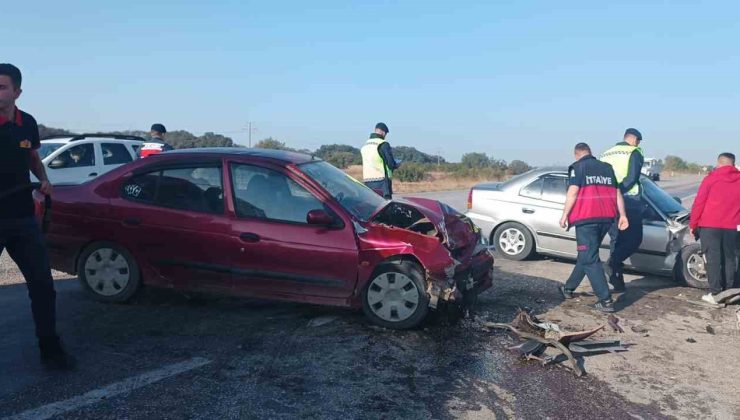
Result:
pixel 249 237
pixel 132 221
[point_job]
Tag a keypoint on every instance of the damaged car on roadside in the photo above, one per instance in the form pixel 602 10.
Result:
pixel 521 218
pixel 266 224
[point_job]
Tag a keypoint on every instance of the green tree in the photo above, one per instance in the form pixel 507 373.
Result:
pixel 475 160
pixel 411 154
pixel 343 159
pixel 215 140
pixel 410 172
pixel 340 155
pixel 517 167
pixel 270 143
pixel 328 149
pixel 675 163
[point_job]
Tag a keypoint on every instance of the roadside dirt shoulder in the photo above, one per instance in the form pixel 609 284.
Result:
pixel 682 356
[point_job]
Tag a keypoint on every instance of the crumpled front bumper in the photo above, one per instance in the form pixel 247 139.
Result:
pixel 461 283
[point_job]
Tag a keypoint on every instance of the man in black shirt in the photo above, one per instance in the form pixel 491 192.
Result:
pixel 19 230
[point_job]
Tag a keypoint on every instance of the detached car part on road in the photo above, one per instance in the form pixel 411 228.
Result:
pixel 521 217
pixel 267 224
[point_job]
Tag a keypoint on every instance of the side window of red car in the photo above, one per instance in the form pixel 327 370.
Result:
pixel 141 188
pixel 266 194
pixel 198 189
pixel 191 189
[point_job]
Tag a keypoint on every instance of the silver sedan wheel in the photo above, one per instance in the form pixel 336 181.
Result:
pixel 393 297
pixel 107 272
pixel 512 241
pixel 695 265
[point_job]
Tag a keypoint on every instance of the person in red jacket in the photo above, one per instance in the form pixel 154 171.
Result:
pixel 715 218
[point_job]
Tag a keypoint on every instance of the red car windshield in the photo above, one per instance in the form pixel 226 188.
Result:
pixel 352 195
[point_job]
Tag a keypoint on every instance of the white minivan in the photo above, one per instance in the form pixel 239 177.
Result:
pixel 78 158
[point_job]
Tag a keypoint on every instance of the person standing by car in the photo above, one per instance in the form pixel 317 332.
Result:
pixel 592 204
pixel 19 230
pixel 715 219
pixel 156 144
pixel 626 158
pixel 378 163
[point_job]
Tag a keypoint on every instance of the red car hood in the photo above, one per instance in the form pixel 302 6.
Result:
pixel 446 243
pixel 455 230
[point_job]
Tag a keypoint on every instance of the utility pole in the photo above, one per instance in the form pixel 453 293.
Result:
pixel 250 134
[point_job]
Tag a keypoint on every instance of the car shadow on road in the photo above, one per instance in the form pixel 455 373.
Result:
pixel 639 288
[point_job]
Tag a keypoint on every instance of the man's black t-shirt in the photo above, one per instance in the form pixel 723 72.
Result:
pixel 17 139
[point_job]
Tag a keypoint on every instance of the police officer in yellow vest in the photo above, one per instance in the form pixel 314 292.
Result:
pixel 378 163
pixel 626 158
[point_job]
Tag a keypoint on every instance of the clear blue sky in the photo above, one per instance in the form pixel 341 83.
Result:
pixel 519 80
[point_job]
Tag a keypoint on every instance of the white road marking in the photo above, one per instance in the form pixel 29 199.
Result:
pixel 109 391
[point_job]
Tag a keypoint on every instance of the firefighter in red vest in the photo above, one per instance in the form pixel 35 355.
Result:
pixel 593 202
pixel 156 144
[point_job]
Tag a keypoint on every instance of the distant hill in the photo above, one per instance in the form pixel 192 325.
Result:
pixel 179 139
pixel 46 132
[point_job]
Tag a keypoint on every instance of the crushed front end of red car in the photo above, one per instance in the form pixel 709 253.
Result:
pixel 456 258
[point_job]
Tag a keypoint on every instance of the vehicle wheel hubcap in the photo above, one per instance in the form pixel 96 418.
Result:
pixel 107 272
pixel 695 267
pixel 512 241
pixel 393 297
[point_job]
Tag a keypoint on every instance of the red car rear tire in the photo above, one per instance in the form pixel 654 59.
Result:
pixel 108 272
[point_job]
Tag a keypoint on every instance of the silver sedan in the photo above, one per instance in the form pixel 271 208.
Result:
pixel 521 217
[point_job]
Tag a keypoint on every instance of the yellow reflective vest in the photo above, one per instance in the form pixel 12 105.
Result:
pixel 619 158
pixel 373 165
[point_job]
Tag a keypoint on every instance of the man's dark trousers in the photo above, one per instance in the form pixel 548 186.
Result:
pixel 588 238
pixel 22 238
pixel 383 187
pixel 718 246
pixel 624 243
pixel 737 252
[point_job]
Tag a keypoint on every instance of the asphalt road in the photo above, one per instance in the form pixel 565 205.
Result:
pixel 167 355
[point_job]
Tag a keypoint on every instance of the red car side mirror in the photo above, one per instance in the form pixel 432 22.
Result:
pixel 319 217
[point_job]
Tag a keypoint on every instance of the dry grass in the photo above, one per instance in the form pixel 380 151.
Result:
pixel 435 181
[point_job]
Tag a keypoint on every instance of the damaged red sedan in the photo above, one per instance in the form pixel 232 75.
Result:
pixel 266 224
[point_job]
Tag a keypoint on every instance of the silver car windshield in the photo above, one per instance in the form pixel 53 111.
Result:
pixel 352 195
pixel 662 200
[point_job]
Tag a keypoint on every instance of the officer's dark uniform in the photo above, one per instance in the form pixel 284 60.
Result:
pixel 19 231
pixel 627 161
pixel 592 215
pixel 154 146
